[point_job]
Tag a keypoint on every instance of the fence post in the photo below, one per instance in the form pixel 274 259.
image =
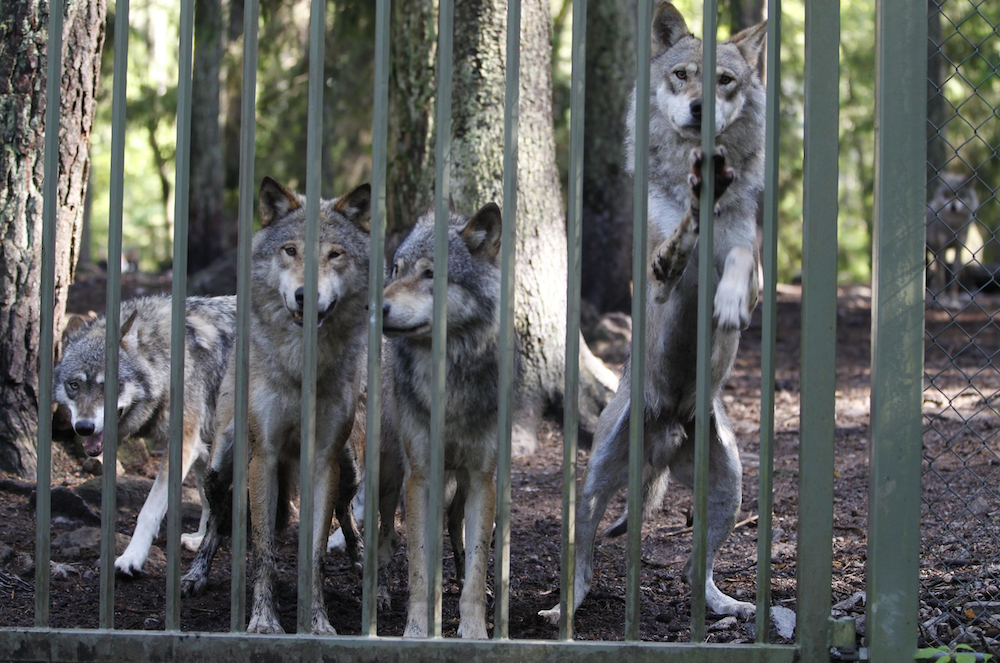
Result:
pixel 897 330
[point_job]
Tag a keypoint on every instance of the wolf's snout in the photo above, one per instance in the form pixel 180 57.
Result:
pixel 385 309
pixel 696 109
pixel 85 427
pixel 300 296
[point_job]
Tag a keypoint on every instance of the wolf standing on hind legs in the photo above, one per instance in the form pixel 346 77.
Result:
pixel 276 357
pixel 472 389
pixel 671 345
pixel 144 394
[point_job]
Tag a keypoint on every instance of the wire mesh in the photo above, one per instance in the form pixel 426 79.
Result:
pixel 960 555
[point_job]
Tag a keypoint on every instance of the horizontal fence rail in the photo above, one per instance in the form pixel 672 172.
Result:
pixel 897 332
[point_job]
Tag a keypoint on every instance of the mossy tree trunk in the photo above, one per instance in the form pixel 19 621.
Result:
pixel 23 38
pixel 477 178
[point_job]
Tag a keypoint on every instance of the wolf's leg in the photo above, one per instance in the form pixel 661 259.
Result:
pixel 325 488
pixel 390 487
pixel 151 515
pixel 192 541
pixel 481 507
pixel 736 294
pixel 217 482
pixel 263 510
pixel 724 497
pixel 416 548
pixel 607 473
pixel 349 485
pixel 456 525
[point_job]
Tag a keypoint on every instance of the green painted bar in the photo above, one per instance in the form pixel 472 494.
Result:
pixel 113 316
pixel 706 292
pixel 178 317
pixel 376 279
pixel 139 647
pixel 819 322
pixel 574 247
pixel 501 610
pixel 248 120
pixel 769 320
pixel 897 332
pixel 442 165
pixel 307 435
pixel 638 355
pixel 50 211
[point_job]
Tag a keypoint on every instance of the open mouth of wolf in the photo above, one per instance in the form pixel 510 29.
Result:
pixel 298 317
pixel 93 445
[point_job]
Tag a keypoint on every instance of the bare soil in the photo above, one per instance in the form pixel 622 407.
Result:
pixel 959 548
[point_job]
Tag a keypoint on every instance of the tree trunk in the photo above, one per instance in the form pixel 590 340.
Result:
pixel 477 178
pixel 23 35
pixel 607 188
pixel 745 14
pixel 206 239
pixel 938 148
pixel 233 76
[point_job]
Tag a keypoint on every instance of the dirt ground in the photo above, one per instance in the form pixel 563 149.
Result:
pixel 950 570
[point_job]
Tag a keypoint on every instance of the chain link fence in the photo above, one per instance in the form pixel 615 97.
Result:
pixel 960 556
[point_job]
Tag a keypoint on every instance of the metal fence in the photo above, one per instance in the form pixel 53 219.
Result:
pixel 896 360
pixel 960 555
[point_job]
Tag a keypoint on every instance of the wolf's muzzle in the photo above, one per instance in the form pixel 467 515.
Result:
pixel 320 314
pixel 93 443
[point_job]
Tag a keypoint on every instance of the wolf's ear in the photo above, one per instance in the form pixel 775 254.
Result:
pixel 126 330
pixel 357 206
pixel 275 201
pixel 482 232
pixel 668 27
pixel 73 326
pixel 750 42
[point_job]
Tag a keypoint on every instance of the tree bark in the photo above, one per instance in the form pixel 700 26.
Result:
pixel 607 188
pixel 477 178
pixel 207 230
pixel 938 148
pixel 23 37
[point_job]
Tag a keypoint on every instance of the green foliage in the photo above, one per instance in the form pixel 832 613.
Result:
pixel 960 654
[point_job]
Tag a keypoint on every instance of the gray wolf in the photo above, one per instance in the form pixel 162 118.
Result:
pixel 949 214
pixel 144 394
pixel 276 359
pixel 675 161
pixel 472 388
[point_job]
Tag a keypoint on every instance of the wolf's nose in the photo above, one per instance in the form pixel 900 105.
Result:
pixel 300 296
pixel 696 109
pixel 85 428
pixel 385 309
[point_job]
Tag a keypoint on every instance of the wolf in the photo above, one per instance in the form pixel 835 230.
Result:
pixel 949 214
pixel 276 360
pixel 472 391
pixel 144 394
pixel 674 185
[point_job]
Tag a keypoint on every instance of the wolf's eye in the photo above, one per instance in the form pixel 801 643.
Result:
pixel 681 74
pixel 428 273
pixel 335 254
pixel 290 251
pixel 73 386
pixel 725 80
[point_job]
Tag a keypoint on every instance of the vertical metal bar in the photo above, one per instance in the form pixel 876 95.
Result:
pixel 113 318
pixel 442 166
pixel 574 247
pixel 178 317
pixel 248 119
pixel 897 331
pixel 819 324
pixel 376 280
pixel 501 613
pixel 50 210
pixel 765 496
pixel 706 292
pixel 307 435
pixel 637 410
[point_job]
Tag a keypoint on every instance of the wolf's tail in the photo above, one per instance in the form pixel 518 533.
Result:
pixel 654 487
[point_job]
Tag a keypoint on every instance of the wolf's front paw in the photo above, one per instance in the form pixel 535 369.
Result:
pixel 192 541
pixel 415 628
pixel 732 308
pixel 551 615
pixel 473 629
pixel 724 175
pixel 321 624
pixel 336 541
pixel 129 564
pixel 193 585
pixel 264 622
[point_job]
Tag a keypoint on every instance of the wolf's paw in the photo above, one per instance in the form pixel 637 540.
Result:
pixel 551 615
pixel 415 628
pixel 336 541
pixel 192 541
pixel 732 308
pixel 193 585
pixel 383 598
pixel 724 175
pixel 472 629
pixel 321 624
pixel 730 606
pixel 129 564
pixel 265 623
